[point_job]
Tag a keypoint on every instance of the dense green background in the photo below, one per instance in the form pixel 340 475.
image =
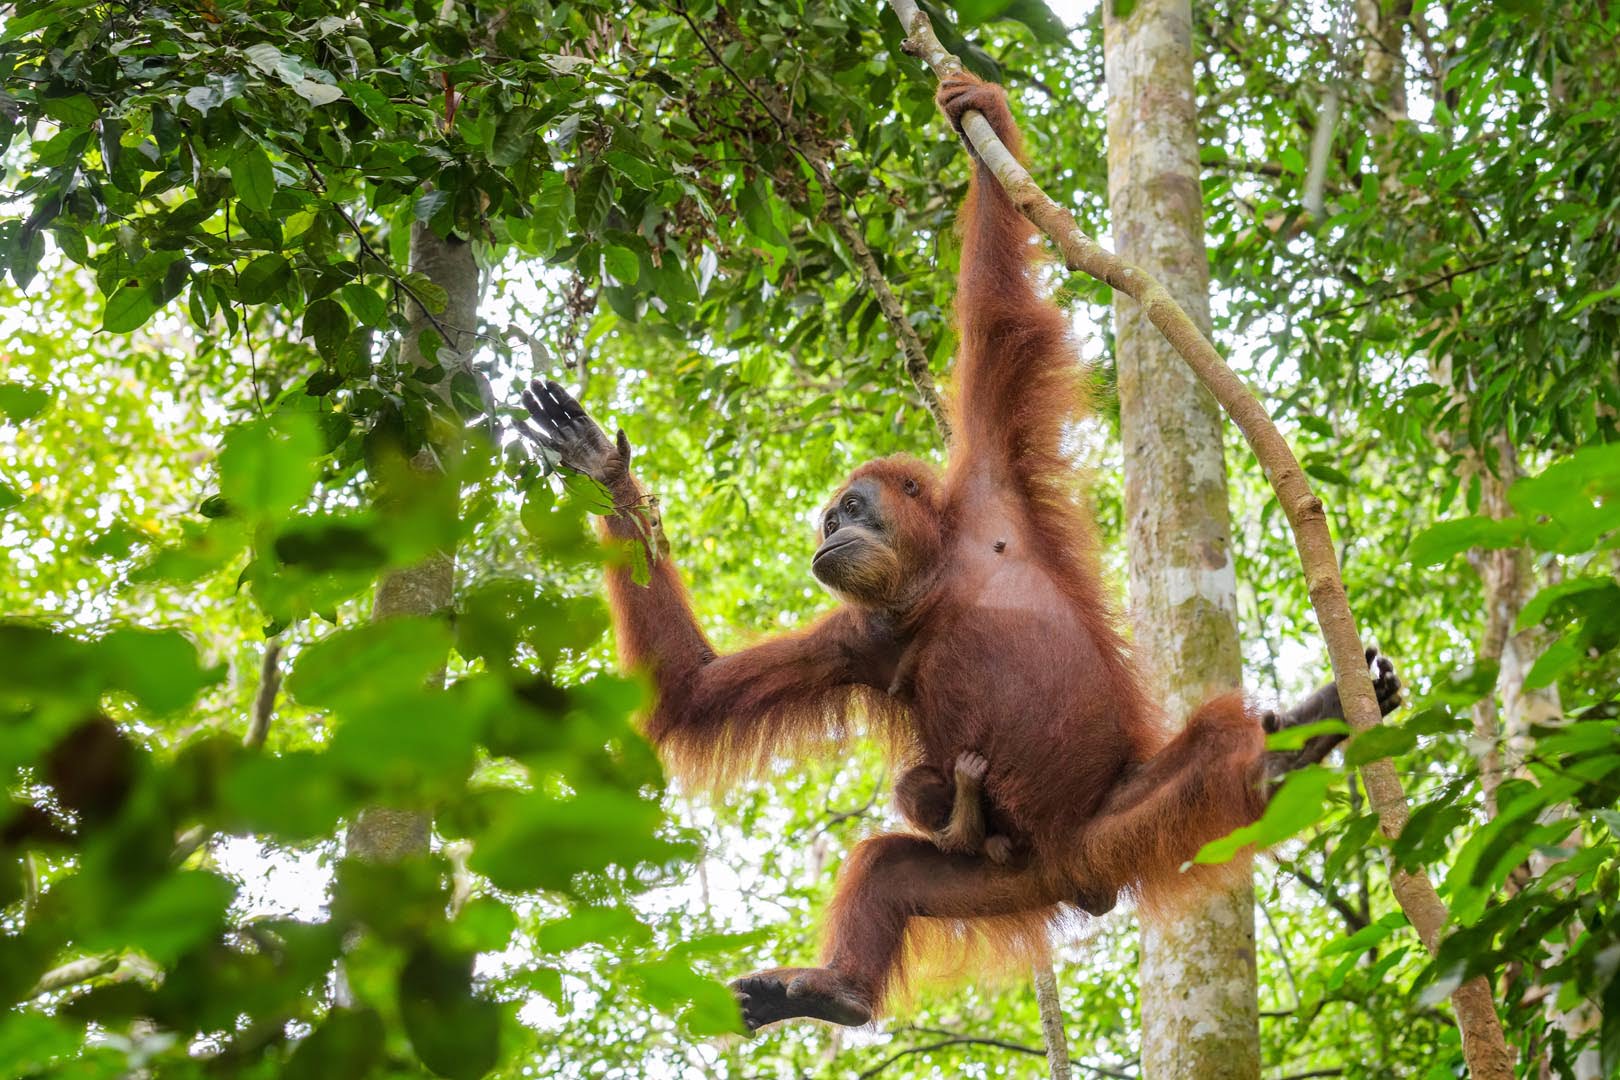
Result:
pixel 205 223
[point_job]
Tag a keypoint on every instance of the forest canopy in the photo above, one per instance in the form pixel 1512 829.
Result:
pixel 317 757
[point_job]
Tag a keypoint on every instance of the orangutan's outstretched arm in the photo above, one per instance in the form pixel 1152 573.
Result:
pixel 714 716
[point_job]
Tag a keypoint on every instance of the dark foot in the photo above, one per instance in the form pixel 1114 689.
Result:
pixel 767 997
pixel 1386 684
pixel 1094 900
pixel 1324 705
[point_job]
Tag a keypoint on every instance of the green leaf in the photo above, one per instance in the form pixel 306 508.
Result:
pixel 1292 738
pixel 372 103
pixel 267 467
pixel 1556 659
pixel 327 324
pixel 129 308
pixel 622 263
pixel 1299 803
pixel 158 667
pixel 179 912
pixel 513 137
pixel 454 1033
pixel 8 497
pixel 1440 542
pixel 359 664
pixel 431 296
pixel 1328 474
pixel 369 307
pixel 261 279
pixel 253 178
pixel 316 93
pixel 20 402
pixel 1385 740
pixel 76 111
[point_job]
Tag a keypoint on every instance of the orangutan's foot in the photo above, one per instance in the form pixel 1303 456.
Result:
pixel 785 993
pixel 1095 900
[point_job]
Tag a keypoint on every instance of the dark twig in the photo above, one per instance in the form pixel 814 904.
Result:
pixel 1353 919
pixel 1419 287
pixel 264 701
pixel 839 207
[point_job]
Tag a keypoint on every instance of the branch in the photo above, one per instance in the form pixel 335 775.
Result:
pixel 1484 1046
pixel 1353 919
pixel 838 215
pixel 264 701
pixel 1051 1008
pixel 951 1038
pixel 957 1040
pixel 1419 287
pixel 72 973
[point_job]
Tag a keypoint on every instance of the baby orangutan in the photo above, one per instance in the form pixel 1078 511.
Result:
pixel 956 821
pixel 957 815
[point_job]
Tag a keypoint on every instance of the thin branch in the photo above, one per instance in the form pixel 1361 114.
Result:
pixel 1353 919
pixel 1282 953
pixel 839 209
pixel 1419 287
pixel 72 973
pixel 1050 1003
pixel 1484 1046
pixel 950 1037
pixel 264 701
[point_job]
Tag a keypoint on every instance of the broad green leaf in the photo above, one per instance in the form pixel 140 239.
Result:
pixel 158 667
pixel 622 263
pixel 1385 740
pixel 1299 803
pixel 76 110
pixel 261 279
pixel 1553 662
pixel 252 177
pixel 367 661
pixel 267 467
pixel 327 324
pixel 21 402
pixel 373 103
pixel 317 93
pixel 369 307
pixel 180 911
pixel 129 308
pixel 1440 542
pixel 430 295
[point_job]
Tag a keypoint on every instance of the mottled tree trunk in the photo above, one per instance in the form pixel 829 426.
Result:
pixel 1199 1012
pixel 386 834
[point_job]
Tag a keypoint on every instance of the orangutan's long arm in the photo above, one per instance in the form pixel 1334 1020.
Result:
pixel 1018 373
pixel 715 715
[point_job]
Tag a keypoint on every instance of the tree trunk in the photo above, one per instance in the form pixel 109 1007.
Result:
pixel 1050 1003
pixel 1200 1015
pixel 386 834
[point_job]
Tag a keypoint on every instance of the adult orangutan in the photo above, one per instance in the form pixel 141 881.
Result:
pixel 972 621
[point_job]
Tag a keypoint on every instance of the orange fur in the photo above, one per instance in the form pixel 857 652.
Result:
pixel 982 625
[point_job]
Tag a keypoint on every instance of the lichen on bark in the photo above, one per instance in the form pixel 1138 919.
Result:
pixel 1198 978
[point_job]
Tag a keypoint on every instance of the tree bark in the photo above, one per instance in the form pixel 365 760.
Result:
pixel 1484 1046
pixel 387 834
pixel 1200 1011
pixel 1050 1003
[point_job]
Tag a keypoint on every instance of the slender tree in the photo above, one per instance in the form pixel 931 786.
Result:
pixel 1200 1016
